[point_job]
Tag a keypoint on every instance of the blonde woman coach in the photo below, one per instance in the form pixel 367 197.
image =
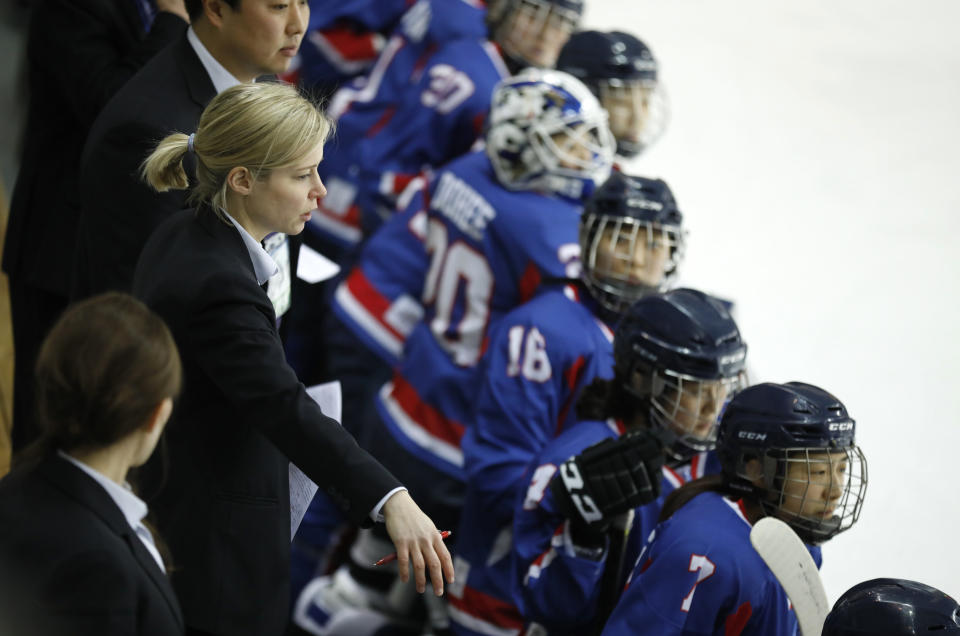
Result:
pixel 224 506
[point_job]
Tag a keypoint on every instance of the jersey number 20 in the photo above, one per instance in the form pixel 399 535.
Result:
pixel 453 266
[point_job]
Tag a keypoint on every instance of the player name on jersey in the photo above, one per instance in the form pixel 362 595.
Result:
pixel 463 205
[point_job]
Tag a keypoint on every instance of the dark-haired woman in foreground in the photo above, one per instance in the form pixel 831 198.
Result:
pixel 75 555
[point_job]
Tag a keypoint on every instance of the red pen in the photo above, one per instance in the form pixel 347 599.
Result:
pixel 393 555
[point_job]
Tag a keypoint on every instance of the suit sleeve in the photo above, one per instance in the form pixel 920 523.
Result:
pixel 92 60
pixel 237 347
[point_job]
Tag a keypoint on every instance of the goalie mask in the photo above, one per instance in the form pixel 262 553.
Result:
pixel 532 32
pixel 547 132
pixel 631 240
pixel 680 354
pixel 893 607
pixel 792 447
pixel 622 72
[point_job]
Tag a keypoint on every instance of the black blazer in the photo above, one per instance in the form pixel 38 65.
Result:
pixel 243 415
pixel 118 210
pixel 70 563
pixel 79 53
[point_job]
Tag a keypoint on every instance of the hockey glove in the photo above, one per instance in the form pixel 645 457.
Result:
pixel 608 479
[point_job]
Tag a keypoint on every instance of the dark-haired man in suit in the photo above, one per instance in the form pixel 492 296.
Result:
pixel 228 42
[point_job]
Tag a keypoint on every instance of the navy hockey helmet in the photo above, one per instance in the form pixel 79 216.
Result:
pixel 792 447
pixel 631 240
pixel 680 353
pixel 532 32
pixel 622 72
pixel 595 56
pixel 892 607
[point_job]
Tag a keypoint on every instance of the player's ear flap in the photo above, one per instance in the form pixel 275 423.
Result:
pixel 753 469
pixel 643 381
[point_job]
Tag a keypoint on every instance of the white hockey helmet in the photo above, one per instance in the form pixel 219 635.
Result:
pixel 547 131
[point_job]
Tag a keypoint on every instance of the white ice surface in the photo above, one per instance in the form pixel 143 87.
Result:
pixel 815 151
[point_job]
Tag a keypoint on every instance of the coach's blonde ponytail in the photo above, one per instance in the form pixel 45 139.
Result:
pixel 163 169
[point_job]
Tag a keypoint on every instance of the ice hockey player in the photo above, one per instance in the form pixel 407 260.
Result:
pixel 676 357
pixel 624 75
pixel 425 101
pixel 474 243
pixel 786 450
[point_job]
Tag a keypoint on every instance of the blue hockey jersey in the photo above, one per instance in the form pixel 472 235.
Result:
pixel 555 583
pixel 488 250
pixel 540 357
pixel 699 574
pixel 547 580
pixel 343 40
pixel 422 104
pixel 379 300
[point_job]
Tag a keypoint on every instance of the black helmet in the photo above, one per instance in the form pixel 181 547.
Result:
pixel 893 607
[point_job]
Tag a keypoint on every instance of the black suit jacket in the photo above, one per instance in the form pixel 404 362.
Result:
pixel 118 210
pixel 79 53
pixel 225 508
pixel 70 564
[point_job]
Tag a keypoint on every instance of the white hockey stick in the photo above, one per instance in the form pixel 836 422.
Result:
pixel 788 559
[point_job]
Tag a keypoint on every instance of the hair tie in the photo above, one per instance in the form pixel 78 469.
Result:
pixel 190 143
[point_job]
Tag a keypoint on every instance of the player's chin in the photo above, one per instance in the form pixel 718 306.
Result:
pixel 644 277
pixel 703 429
pixel 820 514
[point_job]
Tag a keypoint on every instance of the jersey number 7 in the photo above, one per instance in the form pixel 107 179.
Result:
pixel 705 567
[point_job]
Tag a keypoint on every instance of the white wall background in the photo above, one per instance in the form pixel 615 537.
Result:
pixel 815 151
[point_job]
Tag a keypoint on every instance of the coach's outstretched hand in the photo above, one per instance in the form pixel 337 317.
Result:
pixel 418 542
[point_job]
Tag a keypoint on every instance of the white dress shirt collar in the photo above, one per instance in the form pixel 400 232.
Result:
pixel 133 508
pixel 222 78
pixel 263 264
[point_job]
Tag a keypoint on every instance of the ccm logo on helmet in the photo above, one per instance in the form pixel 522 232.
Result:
pixel 841 426
pixel 644 204
pixel 751 435
pixel 733 357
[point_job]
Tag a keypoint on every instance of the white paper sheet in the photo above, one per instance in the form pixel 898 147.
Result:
pixel 314 267
pixel 302 489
